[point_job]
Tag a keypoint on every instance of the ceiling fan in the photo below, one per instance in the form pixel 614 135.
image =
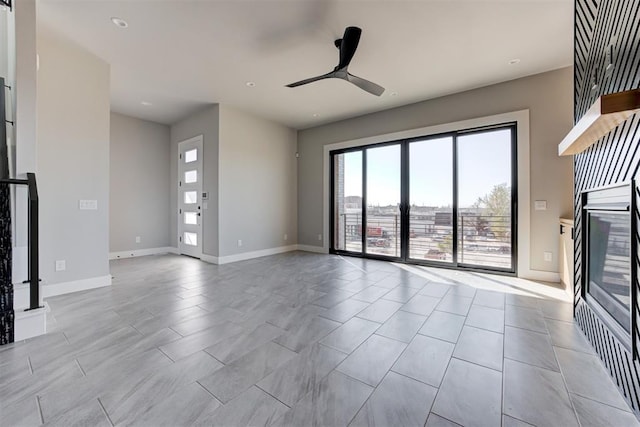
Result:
pixel 347 45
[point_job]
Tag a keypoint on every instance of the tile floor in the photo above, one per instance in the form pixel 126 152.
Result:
pixel 303 339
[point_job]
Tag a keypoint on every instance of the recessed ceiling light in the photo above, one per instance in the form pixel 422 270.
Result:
pixel 316 115
pixel 119 22
pixel 393 94
pixel 146 103
pixel 514 61
pixel 251 84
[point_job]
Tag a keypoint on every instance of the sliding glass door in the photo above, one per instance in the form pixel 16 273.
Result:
pixel 431 200
pixel 445 200
pixel 383 200
pixel 485 199
pixel 347 201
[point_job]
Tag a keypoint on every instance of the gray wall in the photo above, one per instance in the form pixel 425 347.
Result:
pixel 73 159
pixel 548 96
pixel 257 183
pixel 139 184
pixel 203 123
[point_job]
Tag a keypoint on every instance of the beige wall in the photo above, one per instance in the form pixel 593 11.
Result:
pixel 203 123
pixel 139 184
pixel 547 96
pixel 257 183
pixel 73 159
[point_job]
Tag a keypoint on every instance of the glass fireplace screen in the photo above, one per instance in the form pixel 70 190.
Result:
pixel 609 263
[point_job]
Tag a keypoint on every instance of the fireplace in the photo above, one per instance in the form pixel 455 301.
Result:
pixel 607 258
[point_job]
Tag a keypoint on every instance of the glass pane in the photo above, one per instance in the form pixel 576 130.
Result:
pixel 191 177
pixel 191 155
pixel 484 199
pixel 191 218
pixel 383 200
pixel 610 265
pixel 190 239
pixel 431 200
pixel 190 197
pixel 348 201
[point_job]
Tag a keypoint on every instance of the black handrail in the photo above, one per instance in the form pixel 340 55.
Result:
pixel 34 273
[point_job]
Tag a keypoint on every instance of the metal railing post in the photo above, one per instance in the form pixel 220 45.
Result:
pixel 34 262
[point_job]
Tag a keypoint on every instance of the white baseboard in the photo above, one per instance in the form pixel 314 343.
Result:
pixel 53 289
pixel 247 255
pixel 209 258
pixel 29 324
pixel 143 252
pixel 543 276
pixel 314 249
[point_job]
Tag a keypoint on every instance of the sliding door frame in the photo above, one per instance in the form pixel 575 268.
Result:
pixel 405 200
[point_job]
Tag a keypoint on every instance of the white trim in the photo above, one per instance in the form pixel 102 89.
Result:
pixel 209 258
pixel 247 255
pixel 29 324
pixel 314 249
pixel 53 289
pixel 20 263
pixel 524 186
pixel 541 276
pixel 143 252
pixel 21 293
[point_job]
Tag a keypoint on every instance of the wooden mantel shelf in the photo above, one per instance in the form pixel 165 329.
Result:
pixel 605 114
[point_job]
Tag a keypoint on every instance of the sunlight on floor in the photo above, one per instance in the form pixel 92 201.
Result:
pixel 492 282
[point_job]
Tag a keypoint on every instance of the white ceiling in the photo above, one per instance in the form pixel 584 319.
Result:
pixel 183 54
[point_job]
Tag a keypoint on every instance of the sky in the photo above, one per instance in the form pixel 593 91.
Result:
pixel 484 161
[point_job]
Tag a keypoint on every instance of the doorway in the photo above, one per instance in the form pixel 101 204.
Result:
pixel 190 197
pixel 446 200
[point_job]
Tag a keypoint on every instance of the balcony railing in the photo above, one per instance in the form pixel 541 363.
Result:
pixel 483 240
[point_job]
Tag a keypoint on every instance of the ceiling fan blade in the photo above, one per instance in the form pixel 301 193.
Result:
pixel 366 85
pixel 312 79
pixel 348 46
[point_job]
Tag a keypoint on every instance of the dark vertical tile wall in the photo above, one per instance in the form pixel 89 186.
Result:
pixel 6 286
pixel 613 159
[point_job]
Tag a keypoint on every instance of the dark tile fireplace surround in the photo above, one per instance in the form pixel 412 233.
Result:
pixel 606 192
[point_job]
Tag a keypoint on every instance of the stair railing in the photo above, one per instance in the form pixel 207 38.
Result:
pixel 33 245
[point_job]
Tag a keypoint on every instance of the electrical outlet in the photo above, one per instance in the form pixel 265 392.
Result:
pixel 239 242
pixel 286 237
pixel 548 256
pixel 61 265
pixel 137 239
pixel 540 205
pixel 88 205
pixel 320 237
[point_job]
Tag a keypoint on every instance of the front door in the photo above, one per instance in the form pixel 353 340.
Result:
pixel 190 197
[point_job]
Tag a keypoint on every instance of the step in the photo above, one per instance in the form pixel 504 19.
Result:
pixel 29 324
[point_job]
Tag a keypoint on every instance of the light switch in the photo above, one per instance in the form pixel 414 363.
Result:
pixel 540 205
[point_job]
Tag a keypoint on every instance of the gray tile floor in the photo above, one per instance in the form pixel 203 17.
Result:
pixel 303 339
